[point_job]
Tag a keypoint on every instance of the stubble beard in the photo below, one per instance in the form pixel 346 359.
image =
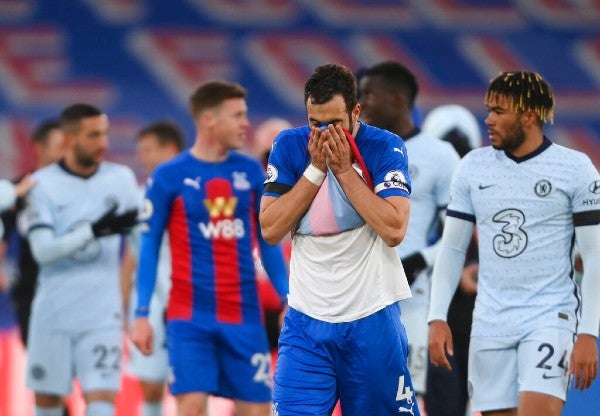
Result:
pixel 514 138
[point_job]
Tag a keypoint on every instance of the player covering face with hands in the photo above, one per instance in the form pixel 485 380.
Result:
pixel 343 191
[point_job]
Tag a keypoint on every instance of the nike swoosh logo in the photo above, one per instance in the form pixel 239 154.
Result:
pixel 486 186
pixel 546 376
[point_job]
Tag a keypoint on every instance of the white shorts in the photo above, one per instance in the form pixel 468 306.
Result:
pixel 414 317
pixel 55 357
pixel 154 367
pixel 501 367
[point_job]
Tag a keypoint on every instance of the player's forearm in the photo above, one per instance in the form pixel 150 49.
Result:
pixel 146 273
pixel 128 266
pixel 388 220
pixel 278 216
pixel 588 241
pixel 448 266
pixel 274 264
pixel 47 248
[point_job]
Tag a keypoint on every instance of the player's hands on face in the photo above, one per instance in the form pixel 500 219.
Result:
pixel 142 335
pixel 337 150
pixel 315 148
pixel 584 361
pixel 440 343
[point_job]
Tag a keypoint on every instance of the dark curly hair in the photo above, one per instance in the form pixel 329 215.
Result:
pixel 330 80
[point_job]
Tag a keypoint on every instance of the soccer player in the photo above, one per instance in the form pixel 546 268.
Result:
pixel 48 147
pixel 208 199
pixel 529 198
pixel 387 95
pixel 74 217
pixel 342 188
pixel 447 391
pixel 264 134
pixel 156 143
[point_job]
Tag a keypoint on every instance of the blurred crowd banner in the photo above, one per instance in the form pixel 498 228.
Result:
pixel 140 59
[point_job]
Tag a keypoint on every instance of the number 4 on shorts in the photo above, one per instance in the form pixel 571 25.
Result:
pixel 404 393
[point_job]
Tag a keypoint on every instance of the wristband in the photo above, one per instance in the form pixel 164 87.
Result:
pixel 142 312
pixel 314 175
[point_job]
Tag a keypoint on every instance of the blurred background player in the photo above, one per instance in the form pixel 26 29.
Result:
pixel 47 144
pixel 447 392
pixel 387 96
pixel 10 194
pixel 208 198
pixel 73 219
pixel 264 134
pixel 155 144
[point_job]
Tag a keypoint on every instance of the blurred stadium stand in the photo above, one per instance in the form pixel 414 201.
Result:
pixel 140 59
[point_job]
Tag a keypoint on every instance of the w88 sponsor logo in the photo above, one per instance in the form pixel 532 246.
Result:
pixel 226 229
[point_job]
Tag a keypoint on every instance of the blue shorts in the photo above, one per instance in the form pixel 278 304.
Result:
pixel 363 363
pixel 226 360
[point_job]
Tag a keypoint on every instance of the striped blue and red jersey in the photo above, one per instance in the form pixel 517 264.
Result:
pixel 210 210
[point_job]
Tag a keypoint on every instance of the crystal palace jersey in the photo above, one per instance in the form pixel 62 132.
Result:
pixel 210 211
pixel 340 270
pixel 525 210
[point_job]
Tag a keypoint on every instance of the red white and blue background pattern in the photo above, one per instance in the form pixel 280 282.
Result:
pixel 140 59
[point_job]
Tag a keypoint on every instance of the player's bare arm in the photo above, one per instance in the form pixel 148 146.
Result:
pixel 279 215
pixel 389 216
pixel 583 365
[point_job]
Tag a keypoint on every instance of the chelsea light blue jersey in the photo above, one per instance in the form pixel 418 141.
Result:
pixel 525 210
pixel 431 163
pixel 80 291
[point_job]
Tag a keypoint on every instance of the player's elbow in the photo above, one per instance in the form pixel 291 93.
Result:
pixel 270 230
pixel 393 236
pixel 270 235
pixel 393 241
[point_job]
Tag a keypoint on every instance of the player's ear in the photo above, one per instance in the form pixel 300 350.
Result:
pixel 355 113
pixel 68 139
pixel 530 117
pixel 208 118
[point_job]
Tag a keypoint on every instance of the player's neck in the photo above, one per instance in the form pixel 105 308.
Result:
pixel 530 145
pixel 71 164
pixel 209 152
pixel 405 128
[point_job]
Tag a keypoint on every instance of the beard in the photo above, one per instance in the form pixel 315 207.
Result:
pixel 84 159
pixel 513 139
